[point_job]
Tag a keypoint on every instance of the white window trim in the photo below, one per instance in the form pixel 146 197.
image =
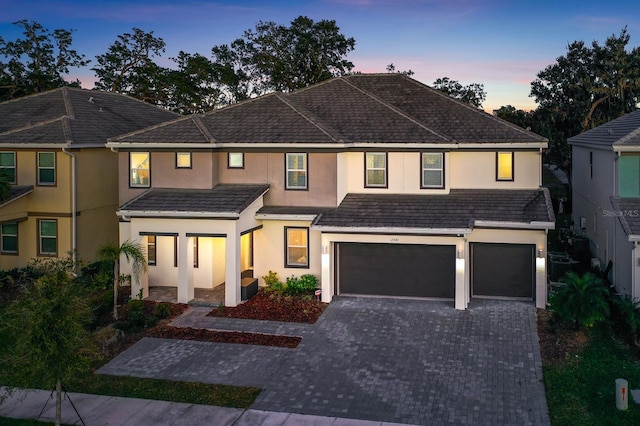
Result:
pixel 304 169
pixel 367 184
pixel 441 170
pixel 40 183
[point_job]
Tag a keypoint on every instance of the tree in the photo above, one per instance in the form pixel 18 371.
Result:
pixel 581 300
pixel 588 86
pixel 47 339
pixel 133 253
pixel 38 61
pixel 127 66
pixel 277 57
pixel 5 186
pixel 473 94
pixel 392 69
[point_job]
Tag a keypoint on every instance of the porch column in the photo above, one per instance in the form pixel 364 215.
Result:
pixel 325 277
pixel 541 279
pixel 462 289
pixel 142 281
pixel 232 294
pixel 185 268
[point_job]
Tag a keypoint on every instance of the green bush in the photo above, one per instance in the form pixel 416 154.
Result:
pixel 162 310
pixel 101 304
pixel 626 315
pixel 580 300
pixel 97 275
pixel 305 285
pixel 273 283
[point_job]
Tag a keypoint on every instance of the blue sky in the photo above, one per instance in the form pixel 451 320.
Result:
pixel 500 43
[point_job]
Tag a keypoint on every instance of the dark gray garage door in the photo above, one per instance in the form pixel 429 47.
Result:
pixel 503 270
pixel 410 270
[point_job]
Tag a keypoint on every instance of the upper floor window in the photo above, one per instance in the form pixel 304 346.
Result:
pixel 296 164
pixel 47 237
pixel 504 166
pixel 140 176
pixel 235 160
pixel 375 169
pixel 629 175
pixel 297 247
pixel 9 238
pixel 183 160
pixel 432 170
pixel 46 168
pixel 8 165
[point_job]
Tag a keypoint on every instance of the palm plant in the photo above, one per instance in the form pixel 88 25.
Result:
pixel 133 253
pixel 581 299
pixel 5 186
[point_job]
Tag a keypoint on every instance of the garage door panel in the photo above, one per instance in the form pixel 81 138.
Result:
pixel 409 270
pixel 503 270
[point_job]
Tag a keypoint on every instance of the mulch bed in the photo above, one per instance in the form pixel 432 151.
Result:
pixel 272 307
pixel 558 342
pixel 201 335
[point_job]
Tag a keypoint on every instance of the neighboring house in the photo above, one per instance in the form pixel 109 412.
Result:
pixel 606 197
pixel 377 184
pixel 64 179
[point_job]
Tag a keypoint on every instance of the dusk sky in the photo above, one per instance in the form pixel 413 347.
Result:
pixel 502 44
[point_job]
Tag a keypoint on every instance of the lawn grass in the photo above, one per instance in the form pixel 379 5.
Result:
pixel 581 388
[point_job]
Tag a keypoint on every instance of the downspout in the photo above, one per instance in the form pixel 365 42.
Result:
pixel 74 202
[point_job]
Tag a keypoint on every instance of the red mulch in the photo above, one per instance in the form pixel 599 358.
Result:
pixel 188 333
pixel 272 307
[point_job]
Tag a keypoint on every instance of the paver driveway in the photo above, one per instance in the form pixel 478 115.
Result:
pixel 407 361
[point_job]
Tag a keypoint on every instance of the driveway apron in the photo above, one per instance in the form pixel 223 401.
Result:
pixel 388 360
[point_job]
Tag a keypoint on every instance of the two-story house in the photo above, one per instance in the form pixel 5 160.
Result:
pixel 377 184
pixel 606 197
pixel 64 181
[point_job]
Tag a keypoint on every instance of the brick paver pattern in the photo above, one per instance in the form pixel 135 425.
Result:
pixel 406 361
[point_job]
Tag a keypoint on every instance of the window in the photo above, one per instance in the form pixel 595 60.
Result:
pixel 432 170
pixel 47 237
pixel 590 164
pixel 297 246
pixel 235 160
pixel 183 160
pixel 175 251
pixel 139 166
pixel 46 168
pixel 504 166
pixel 9 238
pixel 629 175
pixel 8 165
pixel 296 171
pixel 151 250
pixel 376 169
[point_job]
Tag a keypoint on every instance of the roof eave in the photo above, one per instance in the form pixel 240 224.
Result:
pixel 626 148
pixel 176 214
pixel 287 217
pixel 513 225
pixel 391 230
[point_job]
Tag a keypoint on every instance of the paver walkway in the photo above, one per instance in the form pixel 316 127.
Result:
pixel 406 361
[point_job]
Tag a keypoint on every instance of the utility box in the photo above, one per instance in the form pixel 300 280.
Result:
pixel 622 394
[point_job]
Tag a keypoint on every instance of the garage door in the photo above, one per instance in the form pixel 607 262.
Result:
pixel 503 270
pixel 410 270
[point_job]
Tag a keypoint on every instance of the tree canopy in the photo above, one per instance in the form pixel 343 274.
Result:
pixel 472 94
pixel 38 61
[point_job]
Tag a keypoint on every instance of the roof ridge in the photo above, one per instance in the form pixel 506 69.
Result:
pixel 397 111
pixel 155 126
pixel 68 106
pixel 197 120
pixel 474 109
pixel 628 136
pixel 297 110
pixel 66 129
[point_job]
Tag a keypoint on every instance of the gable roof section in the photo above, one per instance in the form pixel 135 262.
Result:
pixel 628 212
pixel 356 110
pixel 228 201
pixel 73 117
pixel 621 134
pixel 455 213
pixel 17 191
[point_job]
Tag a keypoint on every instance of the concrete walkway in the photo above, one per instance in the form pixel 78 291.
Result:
pixel 383 360
pixel 99 410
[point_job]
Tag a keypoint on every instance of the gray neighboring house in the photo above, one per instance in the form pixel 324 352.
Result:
pixel 606 197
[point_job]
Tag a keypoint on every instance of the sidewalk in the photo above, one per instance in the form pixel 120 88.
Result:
pixel 99 410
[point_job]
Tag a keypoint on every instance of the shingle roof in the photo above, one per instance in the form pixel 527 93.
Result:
pixel 17 191
pixel 457 210
pixel 294 210
pixel 628 212
pixel 623 131
pixel 362 108
pixel 227 198
pixel 74 117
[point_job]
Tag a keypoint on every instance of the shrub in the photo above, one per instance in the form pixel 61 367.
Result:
pixel 304 285
pixel 581 300
pixel 97 275
pixel 273 283
pixel 626 313
pixel 162 310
